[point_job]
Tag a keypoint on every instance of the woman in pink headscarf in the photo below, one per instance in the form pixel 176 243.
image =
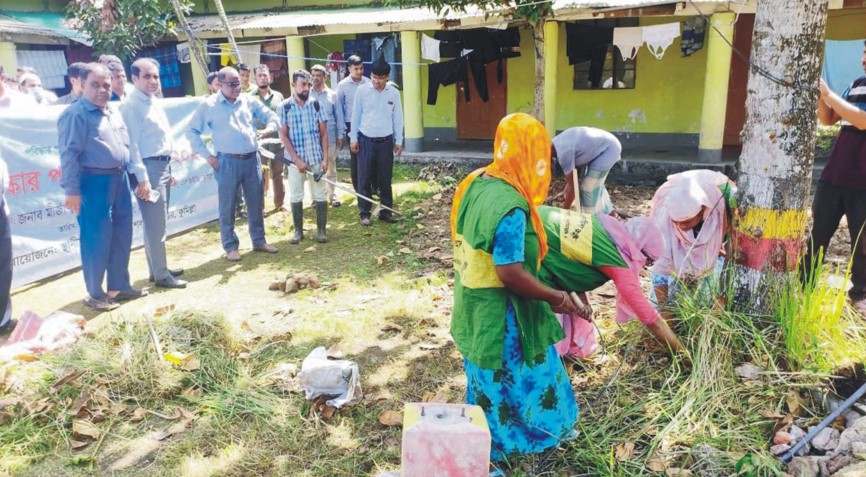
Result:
pixel 584 252
pixel 693 210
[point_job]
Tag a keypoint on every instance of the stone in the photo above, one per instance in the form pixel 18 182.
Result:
pixel 803 467
pixel 782 437
pixel 855 433
pixel 853 470
pixel 779 449
pixel 826 440
pixel 858 450
pixel 749 372
pixel 833 463
pixel 797 434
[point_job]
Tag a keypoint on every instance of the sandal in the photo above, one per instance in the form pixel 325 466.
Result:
pixel 131 294
pixel 101 305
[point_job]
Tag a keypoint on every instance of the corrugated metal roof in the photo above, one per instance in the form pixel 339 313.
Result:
pixel 11 26
pixel 44 24
pixel 331 21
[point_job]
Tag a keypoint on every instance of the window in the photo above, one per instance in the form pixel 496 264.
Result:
pixel 597 63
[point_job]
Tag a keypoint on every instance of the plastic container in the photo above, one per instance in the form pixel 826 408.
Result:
pixel 445 440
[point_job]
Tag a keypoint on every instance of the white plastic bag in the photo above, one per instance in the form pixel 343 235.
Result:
pixel 330 377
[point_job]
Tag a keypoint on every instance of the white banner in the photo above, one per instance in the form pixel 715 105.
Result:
pixel 44 234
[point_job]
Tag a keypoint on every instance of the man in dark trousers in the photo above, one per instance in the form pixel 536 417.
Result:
pixel 842 187
pixel 376 135
pixel 346 89
pixel 94 158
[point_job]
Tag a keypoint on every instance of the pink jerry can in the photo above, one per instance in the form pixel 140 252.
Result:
pixel 445 440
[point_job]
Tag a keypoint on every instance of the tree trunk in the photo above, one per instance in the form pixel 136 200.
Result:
pixel 231 37
pixel 538 35
pixel 775 167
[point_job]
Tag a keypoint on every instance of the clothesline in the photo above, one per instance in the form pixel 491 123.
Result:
pixel 307 58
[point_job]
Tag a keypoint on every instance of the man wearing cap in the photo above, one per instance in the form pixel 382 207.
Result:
pixel 327 99
pixel 94 158
pixel 231 117
pixel 150 146
pixel 376 135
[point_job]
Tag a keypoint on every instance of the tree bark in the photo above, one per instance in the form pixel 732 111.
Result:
pixel 538 35
pixel 775 167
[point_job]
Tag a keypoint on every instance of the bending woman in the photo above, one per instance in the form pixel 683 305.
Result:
pixel 693 210
pixel 503 319
pixel 588 250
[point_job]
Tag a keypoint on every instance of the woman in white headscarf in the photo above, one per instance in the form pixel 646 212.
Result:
pixel 693 210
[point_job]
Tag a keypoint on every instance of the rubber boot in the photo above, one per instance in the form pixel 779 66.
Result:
pixel 321 221
pixel 298 220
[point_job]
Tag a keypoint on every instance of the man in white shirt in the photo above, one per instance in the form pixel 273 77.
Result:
pixel 11 98
pixel 150 152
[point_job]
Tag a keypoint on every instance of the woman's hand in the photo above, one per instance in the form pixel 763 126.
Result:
pixel 562 303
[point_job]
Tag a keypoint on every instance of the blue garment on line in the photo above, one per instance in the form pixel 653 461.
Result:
pixel 529 407
pixel 842 63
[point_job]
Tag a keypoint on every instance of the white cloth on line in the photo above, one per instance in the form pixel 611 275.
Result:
pixel 50 66
pixel 628 40
pixel 429 48
pixel 659 37
pixel 465 52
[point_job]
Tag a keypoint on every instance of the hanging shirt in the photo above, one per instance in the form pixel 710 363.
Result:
pixel 446 74
pixel 430 48
pixel 659 37
pixel 628 40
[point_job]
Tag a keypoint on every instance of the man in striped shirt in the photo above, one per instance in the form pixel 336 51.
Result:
pixel 304 133
pixel 842 187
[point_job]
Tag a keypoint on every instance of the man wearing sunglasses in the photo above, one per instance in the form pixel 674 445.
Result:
pixel 231 118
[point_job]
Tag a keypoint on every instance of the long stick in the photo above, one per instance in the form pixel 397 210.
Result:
pixel 155 338
pixel 787 456
pixel 269 155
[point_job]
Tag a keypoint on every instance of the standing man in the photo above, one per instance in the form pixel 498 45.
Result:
pixel 346 90
pixel 94 159
pixel 244 72
pixel 377 134
pixel 118 81
pixel 150 152
pixel 7 324
pixel 72 72
pixel 842 187
pixel 272 99
pixel 598 151
pixel 10 97
pixel 327 99
pixel 213 84
pixel 304 133
pixel 231 117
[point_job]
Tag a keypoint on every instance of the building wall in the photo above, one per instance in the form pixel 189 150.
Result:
pixel 666 98
pixel 848 24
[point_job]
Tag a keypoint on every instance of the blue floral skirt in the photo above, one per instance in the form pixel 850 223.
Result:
pixel 529 407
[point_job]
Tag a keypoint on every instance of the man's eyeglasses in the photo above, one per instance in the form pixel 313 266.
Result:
pixel 232 85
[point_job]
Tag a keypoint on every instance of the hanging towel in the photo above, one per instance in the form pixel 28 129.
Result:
pixel 628 40
pixel 429 48
pixel 227 58
pixel 659 37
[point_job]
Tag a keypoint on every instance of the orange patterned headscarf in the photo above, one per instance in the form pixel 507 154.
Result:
pixel 521 157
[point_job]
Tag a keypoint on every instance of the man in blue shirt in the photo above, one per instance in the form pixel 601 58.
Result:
pixel 94 158
pixel 377 134
pixel 327 99
pixel 150 147
pixel 304 132
pixel 231 117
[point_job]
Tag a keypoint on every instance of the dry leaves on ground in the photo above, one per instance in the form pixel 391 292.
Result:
pixel 391 418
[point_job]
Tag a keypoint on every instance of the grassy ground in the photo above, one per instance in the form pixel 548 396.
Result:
pixel 236 410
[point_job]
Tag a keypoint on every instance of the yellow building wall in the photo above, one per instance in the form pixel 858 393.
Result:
pixel 666 98
pixel 847 24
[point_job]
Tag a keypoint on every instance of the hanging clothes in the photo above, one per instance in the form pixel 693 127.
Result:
pixel 430 48
pixel 588 43
pixel 385 46
pixel 628 40
pixel 450 43
pixel 274 55
pixel 446 74
pixel 336 68
pixel 362 48
pixel 694 31
pixel 479 74
pixel 227 58
pixel 659 37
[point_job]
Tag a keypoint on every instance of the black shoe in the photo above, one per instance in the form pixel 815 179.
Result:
pixel 131 294
pixel 175 273
pixel 8 327
pixel 171 282
pixel 365 221
pixel 388 218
